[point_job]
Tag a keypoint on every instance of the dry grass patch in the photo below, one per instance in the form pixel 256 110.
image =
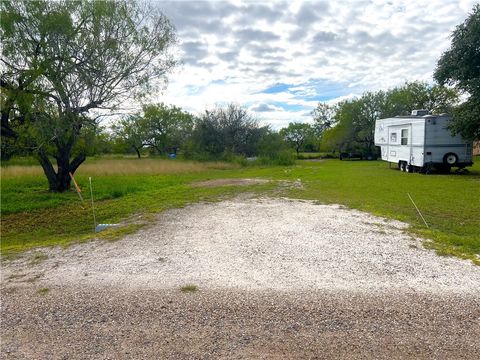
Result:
pixel 123 167
pixel 18 171
pixel 147 166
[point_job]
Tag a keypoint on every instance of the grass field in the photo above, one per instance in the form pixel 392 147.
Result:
pixel 131 190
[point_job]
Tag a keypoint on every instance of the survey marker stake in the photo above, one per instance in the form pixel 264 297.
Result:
pixel 93 207
pixel 419 213
pixel 77 188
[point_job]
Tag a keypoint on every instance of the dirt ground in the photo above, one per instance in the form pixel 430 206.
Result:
pixel 274 279
pixel 229 182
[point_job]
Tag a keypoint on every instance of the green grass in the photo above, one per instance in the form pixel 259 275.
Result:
pixel 32 217
pixel 189 288
pixel 312 155
pixel 449 203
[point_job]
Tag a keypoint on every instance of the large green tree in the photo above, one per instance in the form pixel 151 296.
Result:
pixel 297 134
pixel 323 117
pixel 65 62
pixel 230 129
pixel 419 95
pixel 167 128
pixel 131 132
pixel 460 66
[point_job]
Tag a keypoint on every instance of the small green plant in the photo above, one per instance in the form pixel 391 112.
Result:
pixel 117 194
pixel 43 291
pixel 38 257
pixel 189 288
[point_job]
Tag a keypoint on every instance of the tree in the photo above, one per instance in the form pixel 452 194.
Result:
pixel 323 117
pixel 355 118
pixel 419 95
pixel 131 131
pixel 460 66
pixel 296 134
pixel 63 60
pixel 342 136
pixel 166 127
pixel 369 108
pixel 227 130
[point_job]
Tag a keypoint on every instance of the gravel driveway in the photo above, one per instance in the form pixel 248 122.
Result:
pixel 276 278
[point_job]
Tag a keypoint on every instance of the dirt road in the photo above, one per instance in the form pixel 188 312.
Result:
pixel 276 278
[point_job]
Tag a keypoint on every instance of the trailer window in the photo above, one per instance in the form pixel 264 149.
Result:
pixel 393 137
pixel 404 136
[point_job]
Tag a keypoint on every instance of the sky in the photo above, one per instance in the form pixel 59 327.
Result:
pixel 280 58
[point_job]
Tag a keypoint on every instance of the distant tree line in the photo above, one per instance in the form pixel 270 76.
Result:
pixel 66 64
pixel 221 133
pixel 352 126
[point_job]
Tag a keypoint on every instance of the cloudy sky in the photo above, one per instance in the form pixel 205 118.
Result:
pixel 280 58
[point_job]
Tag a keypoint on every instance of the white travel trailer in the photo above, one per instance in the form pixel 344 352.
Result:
pixel 420 142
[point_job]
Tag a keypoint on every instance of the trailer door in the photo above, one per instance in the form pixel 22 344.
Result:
pixel 393 137
pixel 406 142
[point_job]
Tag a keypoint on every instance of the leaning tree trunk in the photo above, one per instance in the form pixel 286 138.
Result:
pixel 137 150
pixel 60 180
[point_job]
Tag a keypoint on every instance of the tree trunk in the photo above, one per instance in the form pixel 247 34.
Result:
pixel 137 151
pixel 47 169
pixel 60 181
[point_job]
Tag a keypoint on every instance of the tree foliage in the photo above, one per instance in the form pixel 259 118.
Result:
pixel 130 131
pixel 227 130
pixel 460 66
pixel 62 60
pixel 355 118
pixel 160 127
pixel 297 134
pixel 323 117
pixel 166 128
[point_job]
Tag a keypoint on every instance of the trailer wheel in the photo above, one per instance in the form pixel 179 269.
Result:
pixel 450 159
pixel 403 166
pixel 409 168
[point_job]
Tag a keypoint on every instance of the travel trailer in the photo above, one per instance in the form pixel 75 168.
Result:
pixel 421 142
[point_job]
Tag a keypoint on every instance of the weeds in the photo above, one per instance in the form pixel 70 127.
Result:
pixel 38 257
pixel 190 288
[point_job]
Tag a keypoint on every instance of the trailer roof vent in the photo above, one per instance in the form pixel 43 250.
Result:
pixel 422 112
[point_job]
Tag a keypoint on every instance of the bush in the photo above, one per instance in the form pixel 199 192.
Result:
pixel 283 158
pixel 234 159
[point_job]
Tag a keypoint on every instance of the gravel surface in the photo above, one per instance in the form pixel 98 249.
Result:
pixel 276 278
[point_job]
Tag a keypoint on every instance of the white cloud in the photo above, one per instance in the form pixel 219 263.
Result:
pixel 320 50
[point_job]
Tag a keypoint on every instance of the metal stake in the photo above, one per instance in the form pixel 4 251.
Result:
pixel 418 210
pixel 93 207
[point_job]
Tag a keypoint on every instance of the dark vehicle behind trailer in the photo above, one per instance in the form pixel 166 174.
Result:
pixel 351 155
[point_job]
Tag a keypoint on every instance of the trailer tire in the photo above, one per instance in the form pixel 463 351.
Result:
pixel 403 166
pixel 450 159
pixel 409 168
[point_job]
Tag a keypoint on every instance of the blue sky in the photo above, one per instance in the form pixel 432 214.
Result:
pixel 280 58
